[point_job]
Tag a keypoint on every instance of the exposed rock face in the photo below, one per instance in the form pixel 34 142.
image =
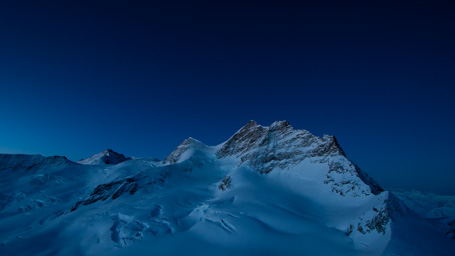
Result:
pixel 115 189
pixel 375 187
pixel 266 148
pixel 278 145
pixel 281 146
pixel 112 190
pixel 225 183
pixel 106 157
pixel 243 141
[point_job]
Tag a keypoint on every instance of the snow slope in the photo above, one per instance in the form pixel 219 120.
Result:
pixel 265 191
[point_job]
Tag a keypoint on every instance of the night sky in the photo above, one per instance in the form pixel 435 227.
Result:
pixel 77 77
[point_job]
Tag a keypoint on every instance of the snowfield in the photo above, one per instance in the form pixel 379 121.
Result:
pixel 266 191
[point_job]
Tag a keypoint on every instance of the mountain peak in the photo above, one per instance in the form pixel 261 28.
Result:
pixel 278 125
pixel 248 126
pixel 252 123
pixel 184 151
pixel 190 140
pixel 278 145
pixel 274 182
pixel 107 156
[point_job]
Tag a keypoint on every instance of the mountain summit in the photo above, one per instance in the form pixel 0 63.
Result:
pixel 271 190
pixel 108 156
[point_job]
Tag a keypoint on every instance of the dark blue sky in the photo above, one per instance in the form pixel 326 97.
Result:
pixel 79 77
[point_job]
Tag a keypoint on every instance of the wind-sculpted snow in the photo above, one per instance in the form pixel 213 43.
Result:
pixel 266 191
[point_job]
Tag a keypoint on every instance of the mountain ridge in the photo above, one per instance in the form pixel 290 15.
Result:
pixel 265 183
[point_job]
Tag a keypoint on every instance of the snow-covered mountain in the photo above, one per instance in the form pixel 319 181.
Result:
pixel 108 156
pixel 437 209
pixel 265 191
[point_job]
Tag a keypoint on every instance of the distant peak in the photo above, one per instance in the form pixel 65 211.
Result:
pixel 107 156
pixel 107 152
pixel 188 145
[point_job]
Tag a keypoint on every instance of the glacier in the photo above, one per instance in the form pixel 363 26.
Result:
pixel 267 190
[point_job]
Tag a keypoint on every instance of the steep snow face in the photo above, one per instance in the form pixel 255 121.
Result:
pixel 106 157
pixel 267 190
pixel 187 149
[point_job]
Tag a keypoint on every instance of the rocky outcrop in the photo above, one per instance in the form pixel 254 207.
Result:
pixel 111 190
pixel 278 145
pixel 225 183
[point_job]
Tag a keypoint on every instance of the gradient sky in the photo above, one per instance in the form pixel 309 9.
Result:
pixel 77 77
